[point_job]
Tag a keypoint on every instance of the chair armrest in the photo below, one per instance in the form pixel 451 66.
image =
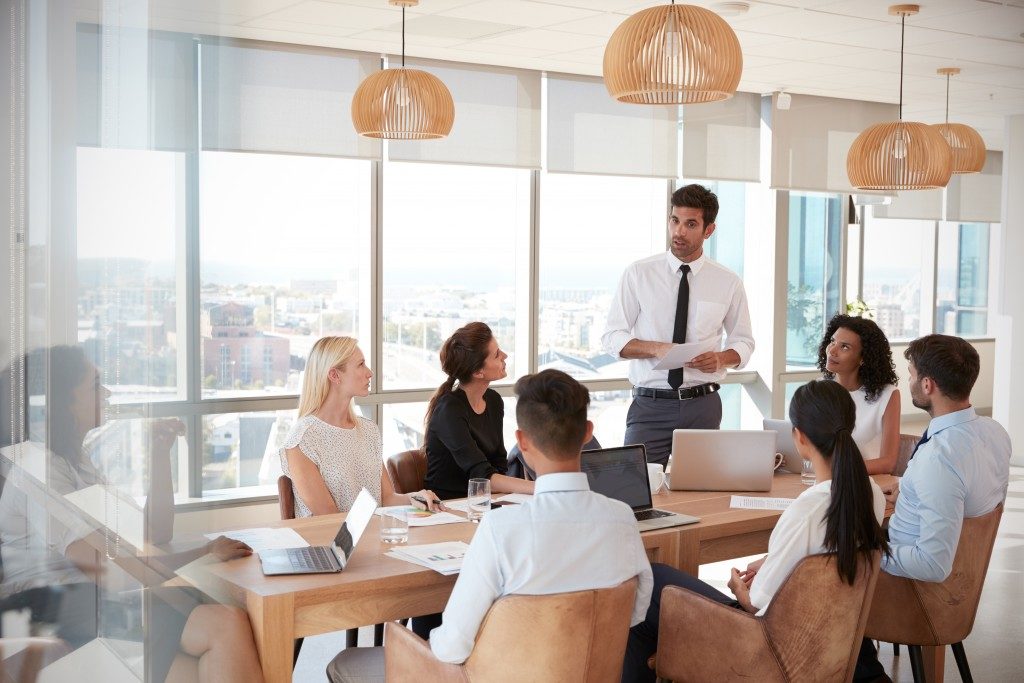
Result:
pixel 407 657
pixel 691 626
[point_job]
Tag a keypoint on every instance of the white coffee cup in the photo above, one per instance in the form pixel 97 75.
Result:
pixel 656 476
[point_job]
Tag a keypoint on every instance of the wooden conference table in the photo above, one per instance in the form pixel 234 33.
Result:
pixel 374 588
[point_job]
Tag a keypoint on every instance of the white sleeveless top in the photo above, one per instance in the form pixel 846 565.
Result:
pixel 348 459
pixel 867 431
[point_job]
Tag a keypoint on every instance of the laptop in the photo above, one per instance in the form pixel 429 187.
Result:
pixel 621 473
pixel 323 559
pixel 722 460
pixel 792 462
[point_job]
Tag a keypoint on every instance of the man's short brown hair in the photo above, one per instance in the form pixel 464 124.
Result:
pixel 552 411
pixel 950 362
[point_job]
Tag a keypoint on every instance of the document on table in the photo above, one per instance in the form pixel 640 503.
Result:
pixel 444 558
pixel 680 354
pixel 759 503
pixel 420 517
pixel 463 506
pixel 264 538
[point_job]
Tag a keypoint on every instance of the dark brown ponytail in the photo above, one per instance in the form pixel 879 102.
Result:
pixel 461 355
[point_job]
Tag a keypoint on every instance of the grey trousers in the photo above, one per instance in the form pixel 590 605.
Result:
pixel 357 665
pixel 650 421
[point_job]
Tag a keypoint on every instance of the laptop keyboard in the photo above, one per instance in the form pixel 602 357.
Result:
pixel 651 514
pixel 317 558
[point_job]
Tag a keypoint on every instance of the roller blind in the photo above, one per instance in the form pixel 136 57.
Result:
pixel 722 140
pixel 589 132
pixel 497 117
pixel 923 205
pixel 263 98
pixel 977 197
pixel 810 140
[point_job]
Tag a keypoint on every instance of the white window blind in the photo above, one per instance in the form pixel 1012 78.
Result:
pixel 810 140
pixel 263 98
pixel 589 132
pixel 497 117
pixel 722 140
pixel 977 197
pixel 925 205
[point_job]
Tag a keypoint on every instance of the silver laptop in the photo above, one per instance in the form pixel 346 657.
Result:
pixel 722 460
pixel 324 559
pixel 621 473
pixel 792 462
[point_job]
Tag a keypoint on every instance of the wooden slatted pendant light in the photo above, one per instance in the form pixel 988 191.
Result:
pixel 899 155
pixel 967 144
pixel 673 54
pixel 403 104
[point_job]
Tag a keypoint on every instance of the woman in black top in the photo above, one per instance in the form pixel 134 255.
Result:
pixel 464 419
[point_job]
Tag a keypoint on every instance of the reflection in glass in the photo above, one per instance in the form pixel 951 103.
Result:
pixel 815 223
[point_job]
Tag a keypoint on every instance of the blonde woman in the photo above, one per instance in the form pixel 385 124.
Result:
pixel 331 453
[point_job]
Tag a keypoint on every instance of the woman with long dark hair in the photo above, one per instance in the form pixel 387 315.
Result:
pixel 855 353
pixel 841 515
pixel 464 418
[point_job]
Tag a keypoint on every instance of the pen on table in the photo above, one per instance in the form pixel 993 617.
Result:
pixel 423 501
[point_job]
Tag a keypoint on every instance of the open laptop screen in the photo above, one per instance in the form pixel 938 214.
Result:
pixel 619 473
pixel 356 521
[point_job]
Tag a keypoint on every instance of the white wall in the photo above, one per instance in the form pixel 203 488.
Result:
pixel 981 397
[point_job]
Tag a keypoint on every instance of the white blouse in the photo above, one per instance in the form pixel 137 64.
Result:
pixel 867 431
pixel 800 532
pixel 349 460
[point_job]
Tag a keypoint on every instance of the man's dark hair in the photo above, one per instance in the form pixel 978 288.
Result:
pixel 697 197
pixel 949 361
pixel 552 410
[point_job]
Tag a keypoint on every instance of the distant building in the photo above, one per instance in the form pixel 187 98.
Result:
pixel 891 319
pixel 236 353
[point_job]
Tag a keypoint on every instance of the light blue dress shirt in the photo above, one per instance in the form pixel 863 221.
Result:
pixel 963 470
pixel 567 538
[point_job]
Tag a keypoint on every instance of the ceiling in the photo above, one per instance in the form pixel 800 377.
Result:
pixel 835 48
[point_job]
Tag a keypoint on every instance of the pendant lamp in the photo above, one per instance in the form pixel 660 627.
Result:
pixel 967 145
pixel 673 54
pixel 899 155
pixel 403 104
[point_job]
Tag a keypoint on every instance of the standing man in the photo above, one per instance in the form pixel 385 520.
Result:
pixel 668 299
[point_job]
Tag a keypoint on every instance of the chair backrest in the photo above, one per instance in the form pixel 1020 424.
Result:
pixel 908 442
pixel 407 470
pixel 577 636
pixel 285 497
pixel 938 613
pixel 816 620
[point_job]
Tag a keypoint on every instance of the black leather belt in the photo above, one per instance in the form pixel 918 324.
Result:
pixel 678 394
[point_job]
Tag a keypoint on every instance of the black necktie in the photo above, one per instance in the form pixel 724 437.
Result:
pixel 923 441
pixel 675 377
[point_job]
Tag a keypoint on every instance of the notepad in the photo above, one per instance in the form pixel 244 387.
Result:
pixel 759 503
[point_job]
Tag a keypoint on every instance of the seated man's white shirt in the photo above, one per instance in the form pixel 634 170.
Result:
pixel 567 538
pixel 800 532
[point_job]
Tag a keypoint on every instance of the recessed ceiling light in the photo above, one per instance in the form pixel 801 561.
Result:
pixel 730 9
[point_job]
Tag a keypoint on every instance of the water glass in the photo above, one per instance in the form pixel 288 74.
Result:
pixel 394 525
pixel 479 499
pixel 807 477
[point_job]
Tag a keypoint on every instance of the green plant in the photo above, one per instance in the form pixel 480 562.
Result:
pixel 858 308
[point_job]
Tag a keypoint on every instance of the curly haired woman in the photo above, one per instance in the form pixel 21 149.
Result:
pixel 855 353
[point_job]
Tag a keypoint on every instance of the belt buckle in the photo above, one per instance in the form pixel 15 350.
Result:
pixel 680 391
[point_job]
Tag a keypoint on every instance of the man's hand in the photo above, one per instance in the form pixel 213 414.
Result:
pixel 224 548
pixel 709 362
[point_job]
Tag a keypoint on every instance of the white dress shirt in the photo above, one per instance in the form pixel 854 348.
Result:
pixel 644 307
pixel 799 533
pixel 963 470
pixel 567 538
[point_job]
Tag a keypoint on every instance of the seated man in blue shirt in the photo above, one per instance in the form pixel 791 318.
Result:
pixel 567 538
pixel 960 469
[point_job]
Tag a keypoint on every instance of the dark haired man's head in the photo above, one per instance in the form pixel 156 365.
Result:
pixel 697 197
pixel 944 364
pixel 552 414
pixel 692 220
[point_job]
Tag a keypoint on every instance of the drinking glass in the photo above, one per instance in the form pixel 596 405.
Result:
pixel 394 525
pixel 807 477
pixel 479 499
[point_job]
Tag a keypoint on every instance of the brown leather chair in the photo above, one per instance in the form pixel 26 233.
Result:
pixel 407 470
pixel 908 442
pixel 811 631
pixel 919 613
pixel 577 636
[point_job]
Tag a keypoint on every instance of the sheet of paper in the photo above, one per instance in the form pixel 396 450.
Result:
pixel 460 505
pixel 444 558
pixel 516 498
pixel 264 538
pixel 681 354
pixel 419 517
pixel 759 503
